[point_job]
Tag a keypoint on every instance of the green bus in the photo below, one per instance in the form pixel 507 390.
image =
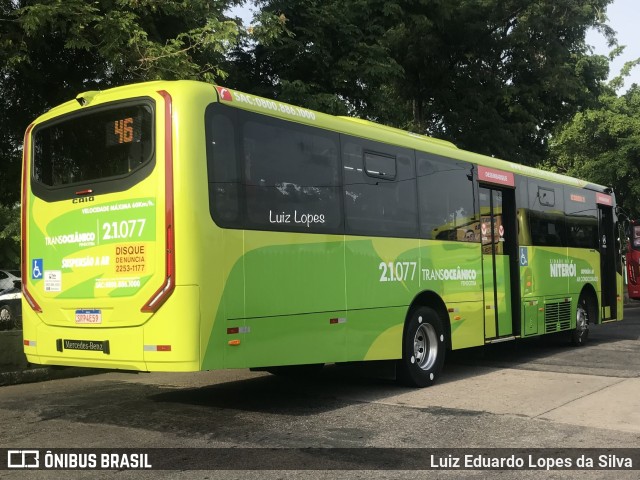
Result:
pixel 182 226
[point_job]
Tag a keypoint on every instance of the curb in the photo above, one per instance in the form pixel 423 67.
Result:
pixel 40 374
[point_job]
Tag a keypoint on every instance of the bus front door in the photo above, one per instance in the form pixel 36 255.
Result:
pixel 499 249
pixel 608 261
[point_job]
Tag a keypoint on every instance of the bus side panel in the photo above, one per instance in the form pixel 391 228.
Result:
pixel 381 272
pixel 467 322
pixel 292 340
pixel 550 273
pixel 383 276
pixel 231 312
pixel 294 301
pixel 288 273
pixel 553 271
pixel 386 275
pixel 454 271
pixel 223 295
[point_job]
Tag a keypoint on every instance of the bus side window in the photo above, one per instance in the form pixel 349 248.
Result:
pixel 291 176
pixel 379 189
pixel 546 214
pixel 581 217
pixel 222 168
pixel 446 199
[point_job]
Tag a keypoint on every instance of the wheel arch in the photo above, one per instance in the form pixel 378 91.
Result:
pixel 429 298
pixel 589 292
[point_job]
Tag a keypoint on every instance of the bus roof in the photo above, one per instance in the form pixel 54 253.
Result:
pixel 375 131
pixel 346 125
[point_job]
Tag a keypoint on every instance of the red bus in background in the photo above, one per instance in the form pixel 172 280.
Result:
pixel 633 260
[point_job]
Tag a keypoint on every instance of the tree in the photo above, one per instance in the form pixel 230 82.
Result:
pixel 496 76
pixel 328 58
pixel 493 76
pixel 51 50
pixel 602 145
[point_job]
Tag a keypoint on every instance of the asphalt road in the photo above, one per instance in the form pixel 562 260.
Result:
pixel 525 395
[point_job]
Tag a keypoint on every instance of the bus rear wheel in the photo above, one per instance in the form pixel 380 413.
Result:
pixel 585 314
pixel 423 348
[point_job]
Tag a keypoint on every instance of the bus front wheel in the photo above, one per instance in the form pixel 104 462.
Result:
pixel 585 314
pixel 423 348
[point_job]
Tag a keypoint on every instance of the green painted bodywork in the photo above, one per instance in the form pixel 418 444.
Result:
pixel 291 288
pixel 258 298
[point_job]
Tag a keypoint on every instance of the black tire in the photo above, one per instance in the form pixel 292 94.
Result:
pixel 6 317
pixel 423 348
pixel 586 313
pixel 17 321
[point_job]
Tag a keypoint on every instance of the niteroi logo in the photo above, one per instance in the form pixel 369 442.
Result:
pixel 561 268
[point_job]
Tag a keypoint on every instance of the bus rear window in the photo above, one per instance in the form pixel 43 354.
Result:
pixel 102 144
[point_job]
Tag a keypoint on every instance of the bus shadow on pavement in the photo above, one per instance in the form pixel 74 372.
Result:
pixel 264 394
pixel 610 346
pixel 602 355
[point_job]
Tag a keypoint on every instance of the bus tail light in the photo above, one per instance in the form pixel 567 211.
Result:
pixel 161 295
pixel 632 274
pixel 25 271
pixel 157 348
pixel 30 300
pixel 169 283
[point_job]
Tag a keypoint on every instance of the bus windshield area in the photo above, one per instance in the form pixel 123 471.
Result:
pixel 103 143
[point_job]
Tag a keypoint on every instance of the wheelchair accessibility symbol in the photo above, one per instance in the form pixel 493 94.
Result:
pixel 524 256
pixel 36 269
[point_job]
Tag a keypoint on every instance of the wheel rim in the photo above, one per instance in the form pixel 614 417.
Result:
pixel 582 321
pixel 425 346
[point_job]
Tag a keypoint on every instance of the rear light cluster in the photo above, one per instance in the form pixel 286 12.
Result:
pixel 633 277
pixel 169 284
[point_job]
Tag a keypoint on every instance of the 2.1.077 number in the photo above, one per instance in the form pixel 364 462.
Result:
pixel 397 271
pixel 123 229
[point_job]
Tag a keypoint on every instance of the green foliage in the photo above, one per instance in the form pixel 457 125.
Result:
pixel 51 50
pixel 329 56
pixel 602 144
pixel 493 76
pixel 138 39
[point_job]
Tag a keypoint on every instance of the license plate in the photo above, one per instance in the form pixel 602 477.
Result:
pixel 88 316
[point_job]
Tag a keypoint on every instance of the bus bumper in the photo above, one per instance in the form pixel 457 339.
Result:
pixel 167 341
